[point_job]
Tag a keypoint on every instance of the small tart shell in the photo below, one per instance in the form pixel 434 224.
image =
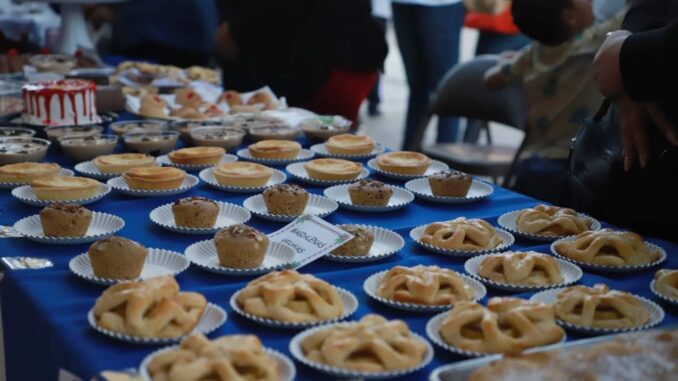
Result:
pixel 332 169
pixel 348 144
pixel 197 155
pixel 275 149
pixel 154 178
pixel 404 162
pixel 119 163
pixel 242 174
pixel 24 173
pixel 64 188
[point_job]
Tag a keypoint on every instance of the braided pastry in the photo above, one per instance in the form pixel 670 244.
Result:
pixel 666 283
pixel 600 307
pixel 608 248
pixel 291 297
pixel 424 285
pixel 507 325
pixel 551 221
pixel 373 344
pixel 228 358
pixel 150 308
pixel 521 268
pixel 462 234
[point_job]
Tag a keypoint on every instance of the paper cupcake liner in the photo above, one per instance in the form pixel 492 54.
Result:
pixel 436 166
pixel 612 269
pixel 401 198
pixel 418 232
pixel 297 171
pixel 64 172
pixel 371 285
pixel 25 194
pixel 661 296
pixel 303 155
pixel 164 160
pixel 204 255
pixel 119 184
pixel 317 205
pixel 229 214
pixel 320 150
pixel 386 243
pixel 101 226
pixel 508 222
pixel 479 191
pixel 207 176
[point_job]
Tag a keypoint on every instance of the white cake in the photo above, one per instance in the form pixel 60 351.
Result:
pixel 67 102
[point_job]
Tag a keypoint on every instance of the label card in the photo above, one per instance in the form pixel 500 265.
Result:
pixel 311 238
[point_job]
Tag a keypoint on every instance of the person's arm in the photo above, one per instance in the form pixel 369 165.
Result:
pixel 512 68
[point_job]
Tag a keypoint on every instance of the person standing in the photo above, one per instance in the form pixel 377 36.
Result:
pixel 428 34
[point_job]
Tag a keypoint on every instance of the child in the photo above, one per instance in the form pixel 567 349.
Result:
pixel 560 89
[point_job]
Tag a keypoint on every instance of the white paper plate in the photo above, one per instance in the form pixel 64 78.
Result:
pixel 164 160
pixel 350 306
pixel 286 369
pixel 159 262
pixel 571 274
pixel 612 269
pixel 371 285
pixel 320 150
pixel 297 171
pixel 212 318
pixel 206 175
pixel 508 222
pixel 317 205
pixel 101 226
pixel 229 214
pixel 401 198
pixel 25 194
pixel 661 296
pixel 298 354
pixel 64 172
pixel 433 333
pixel 119 184
pixel 386 243
pixel 304 154
pixel 418 232
pixel 656 315
pixel 89 169
pixel 436 166
pixel 204 255
pixel 478 191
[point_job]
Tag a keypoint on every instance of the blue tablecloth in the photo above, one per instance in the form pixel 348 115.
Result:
pixel 44 311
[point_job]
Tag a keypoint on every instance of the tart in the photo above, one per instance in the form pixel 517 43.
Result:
pixel 241 247
pixel 507 325
pixel 117 258
pixel 24 173
pixel 373 344
pixel 290 297
pixel 404 162
pixel 154 178
pixel 607 247
pixel 370 193
pixel 65 220
pixel 286 199
pixel 521 268
pixel 450 183
pixel 600 307
pixel 275 149
pixel 430 285
pixel 242 174
pixel 153 308
pixel 347 144
pixel 64 188
pixel 332 169
pixel 121 162
pixel 195 212
pixel 240 357
pixel 462 234
pixel 359 245
pixel 666 283
pixel 551 221
pixel 197 155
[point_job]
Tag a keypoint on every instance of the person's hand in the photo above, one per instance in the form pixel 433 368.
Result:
pixel 508 54
pixel 494 78
pixel 224 44
pixel 606 65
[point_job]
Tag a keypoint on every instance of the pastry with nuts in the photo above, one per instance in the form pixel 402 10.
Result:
pixel 195 212
pixel 241 246
pixel 286 199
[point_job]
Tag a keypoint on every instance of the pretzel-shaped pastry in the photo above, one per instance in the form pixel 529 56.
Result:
pixel 600 307
pixel 424 285
pixel 292 297
pixel 608 248
pixel 228 358
pixel 522 268
pixel 372 345
pixel 666 283
pixel 551 221
pixel 507 325
pixel 462 234
pixel 150 308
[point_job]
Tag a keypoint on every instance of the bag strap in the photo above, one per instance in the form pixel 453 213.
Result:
pixel 602 111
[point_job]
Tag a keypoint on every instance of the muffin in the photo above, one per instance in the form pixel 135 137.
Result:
pixel 117 258
pixel 240 246
pixel 65 220
pixel 370 193
pixel 286 199
pixel 359 246
pixel 195 212
pixel 450 183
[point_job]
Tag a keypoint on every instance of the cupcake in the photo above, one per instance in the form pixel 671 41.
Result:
pixel 359 245
pixel 286 199
pixel 195 212
pixel 370 193
pixel 240 246
pixel 65 220
pixel 450 183
pixel 117 258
